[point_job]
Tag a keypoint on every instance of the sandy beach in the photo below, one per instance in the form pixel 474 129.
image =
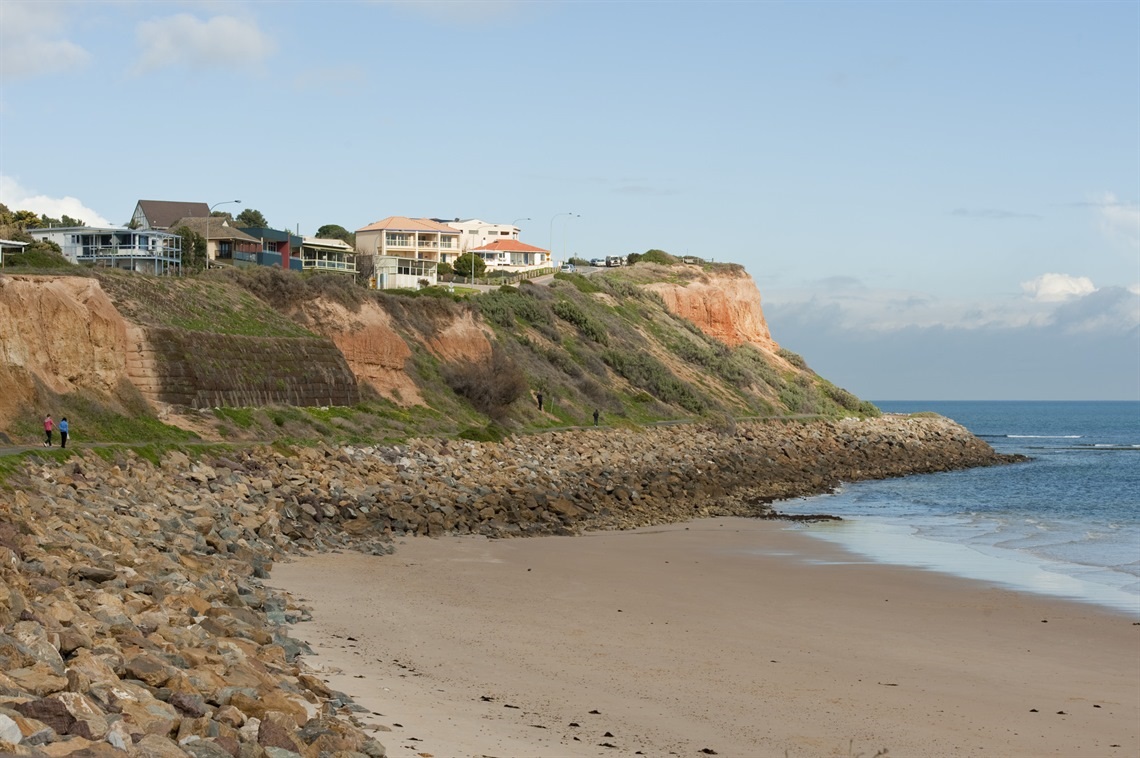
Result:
pixel 731 637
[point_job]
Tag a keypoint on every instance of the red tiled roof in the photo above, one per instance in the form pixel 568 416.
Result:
pixel 510 246
pixel 405 224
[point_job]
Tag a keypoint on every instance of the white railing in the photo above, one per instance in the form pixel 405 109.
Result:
pixel 318 263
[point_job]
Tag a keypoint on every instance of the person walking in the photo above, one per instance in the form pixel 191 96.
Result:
pixel 48 426
pixel 596 414
pixel 63 432
pixel 539 401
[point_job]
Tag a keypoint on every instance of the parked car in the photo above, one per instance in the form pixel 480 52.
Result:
pixel 597 261
pixel 568 268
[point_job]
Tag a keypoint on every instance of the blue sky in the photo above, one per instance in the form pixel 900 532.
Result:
pixel 936 200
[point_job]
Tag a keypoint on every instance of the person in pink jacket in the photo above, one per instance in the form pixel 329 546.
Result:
pixel 48 426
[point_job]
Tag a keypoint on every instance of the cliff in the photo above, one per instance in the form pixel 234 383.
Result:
pixel 726 306
pixel 649 343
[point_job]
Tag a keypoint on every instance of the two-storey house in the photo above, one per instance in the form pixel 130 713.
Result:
pixel 406 250
pixel 144 250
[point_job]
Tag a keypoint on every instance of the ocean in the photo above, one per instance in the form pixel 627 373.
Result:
pixel 1065 523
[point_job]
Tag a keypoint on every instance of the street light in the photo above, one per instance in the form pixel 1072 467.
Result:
pixel 211 210
pixel 515 224
pixel 556 215
pixel 566 235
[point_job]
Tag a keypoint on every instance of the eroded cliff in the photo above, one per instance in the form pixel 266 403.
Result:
pixel 726 306
pixel 63 333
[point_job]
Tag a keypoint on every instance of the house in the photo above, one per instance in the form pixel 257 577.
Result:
pixel 278 248
pixel 145 250
pixel 162 214
pixel 331 255
pixel 405 250
pixel 224 243
pixel 511 252
pixel 474 233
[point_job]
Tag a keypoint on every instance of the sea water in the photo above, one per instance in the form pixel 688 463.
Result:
pixel 1065 523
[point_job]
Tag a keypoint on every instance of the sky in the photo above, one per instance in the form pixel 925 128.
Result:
pixel 936 200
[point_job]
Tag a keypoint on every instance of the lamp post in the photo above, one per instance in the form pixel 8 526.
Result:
pixel 566 235
pixel 556 215
pixel 211 210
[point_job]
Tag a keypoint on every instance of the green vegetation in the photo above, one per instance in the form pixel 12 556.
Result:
pixel 470 265
pixel 601 342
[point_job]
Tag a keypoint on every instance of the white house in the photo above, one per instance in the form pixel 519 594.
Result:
pixel 475 233
pixel 145 250
pixel 508 252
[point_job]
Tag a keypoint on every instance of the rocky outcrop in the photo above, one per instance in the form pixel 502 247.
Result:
pixel 725 306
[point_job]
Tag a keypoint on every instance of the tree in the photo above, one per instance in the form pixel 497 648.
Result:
pixel 193 249
pixel 251 217
pixel 222 214
pixel 468 261
pixel 26 220
pixel 336 232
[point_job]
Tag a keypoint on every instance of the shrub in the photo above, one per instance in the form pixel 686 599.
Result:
pixel 490 386
pixel 39 254
pixel 508 307
pixel 581 283
pixel 648 373
pixel 591 328
pixel 793 358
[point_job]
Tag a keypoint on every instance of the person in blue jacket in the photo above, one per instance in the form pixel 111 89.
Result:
pixel 63 432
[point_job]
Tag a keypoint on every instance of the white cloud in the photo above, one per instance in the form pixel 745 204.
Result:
pixel 885 311
pixel 1056 288
pixel 1067 304
pixel 19 199
pixel 221 41
pixel 33 43
pixel 1119 220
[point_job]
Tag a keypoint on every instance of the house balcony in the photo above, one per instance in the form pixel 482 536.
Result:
pixel 407 243
pixel 322 264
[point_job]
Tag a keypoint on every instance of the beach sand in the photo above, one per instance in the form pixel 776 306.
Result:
pixel 736 636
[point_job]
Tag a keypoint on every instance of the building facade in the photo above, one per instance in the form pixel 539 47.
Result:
pixel 328 255
pixel 406 251
pixel 145 250
pixel 475 233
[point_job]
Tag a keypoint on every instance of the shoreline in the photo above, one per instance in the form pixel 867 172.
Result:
pixel 896 544
pixel 727 634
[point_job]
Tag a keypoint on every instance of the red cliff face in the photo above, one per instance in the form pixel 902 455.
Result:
pixel 725 306
pixel 62 331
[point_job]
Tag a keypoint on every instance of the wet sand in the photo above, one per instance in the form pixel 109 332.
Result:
pixel 727 635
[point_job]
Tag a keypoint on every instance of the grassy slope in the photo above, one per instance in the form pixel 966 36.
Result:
pixel 586 343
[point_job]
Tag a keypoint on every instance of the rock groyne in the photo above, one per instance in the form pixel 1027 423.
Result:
pixel 134 620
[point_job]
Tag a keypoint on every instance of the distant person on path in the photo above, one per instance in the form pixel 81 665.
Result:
pixel 48 426
pixel 596 414
pixel 63 432
pixel 540 401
